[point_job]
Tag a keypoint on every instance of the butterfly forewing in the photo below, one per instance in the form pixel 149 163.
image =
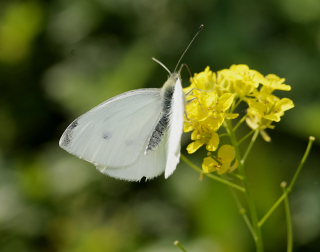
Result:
pixel 116 132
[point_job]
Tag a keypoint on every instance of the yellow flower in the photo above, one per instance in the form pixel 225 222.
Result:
pixel 273 82
pixel 213 98
pixel 206 111
pixel 211 139
pixel 223 163
pixel 205 80
pixel 209 165
pixel 279 108
pixel 264 110
pixel 239 79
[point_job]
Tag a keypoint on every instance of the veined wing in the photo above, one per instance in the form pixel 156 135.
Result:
pixel 115 132
pixel 148 165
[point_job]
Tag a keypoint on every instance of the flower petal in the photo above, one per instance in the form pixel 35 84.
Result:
pixel 213 143
pixel 226 100
pixel 194 146
pixel 209 165
pixel 285 104
pixel 226 153
pixel 265 136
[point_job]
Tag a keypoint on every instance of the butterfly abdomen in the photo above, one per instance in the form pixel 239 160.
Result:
pixel 158 133
pixel 162 125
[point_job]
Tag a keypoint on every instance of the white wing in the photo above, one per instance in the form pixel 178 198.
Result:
pixel 115 132
pixel 175 129
pixel 149 166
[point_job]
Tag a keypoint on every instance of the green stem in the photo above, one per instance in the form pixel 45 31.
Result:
pixel 239 123
pixel 245 137
pixel 288 219
pixel 253 139
pixel 212 176
pixel 180 246
pixel 244 215
pixel 302 162
pixel 236 105
pixel 291 185
pixel 235 175
pixel 223 135
pixel 248 196
pixel 271 210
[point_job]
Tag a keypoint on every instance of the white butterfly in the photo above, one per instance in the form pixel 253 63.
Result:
pixel 135 134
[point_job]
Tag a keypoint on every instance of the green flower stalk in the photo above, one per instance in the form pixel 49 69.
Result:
pixel 212 112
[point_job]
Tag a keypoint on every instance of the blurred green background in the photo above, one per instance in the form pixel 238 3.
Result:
pixel 59 58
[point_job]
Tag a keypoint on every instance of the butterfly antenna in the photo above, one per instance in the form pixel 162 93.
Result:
pixel 187 67
pixel 190 43
pixel 161 64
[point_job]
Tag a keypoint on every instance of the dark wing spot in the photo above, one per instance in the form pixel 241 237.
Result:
pixel 73 125
pixel 106 135
pixel 66 140
pixel 68 133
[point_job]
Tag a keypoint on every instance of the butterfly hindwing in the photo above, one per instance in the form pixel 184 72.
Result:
pixel 148 165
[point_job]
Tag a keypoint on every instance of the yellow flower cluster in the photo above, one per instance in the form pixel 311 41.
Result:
pixel 213 98
pixel 266 108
